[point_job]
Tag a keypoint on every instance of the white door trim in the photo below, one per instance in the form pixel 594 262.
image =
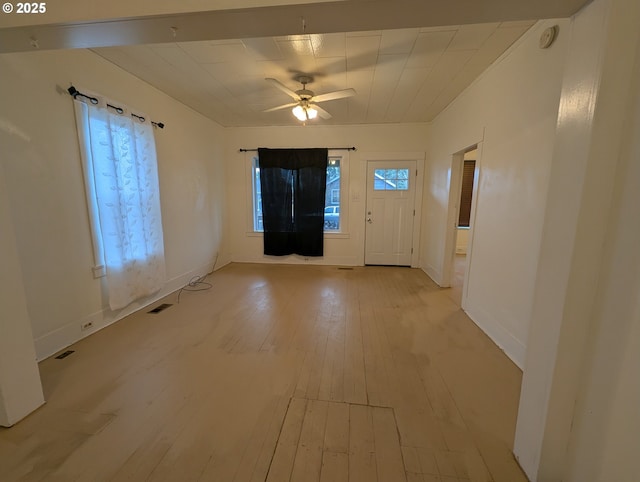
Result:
pixel 457 160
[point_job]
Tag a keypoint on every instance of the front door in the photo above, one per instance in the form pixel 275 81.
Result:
pixel 390 212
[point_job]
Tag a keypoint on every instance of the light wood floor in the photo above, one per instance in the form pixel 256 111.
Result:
pixel 279 373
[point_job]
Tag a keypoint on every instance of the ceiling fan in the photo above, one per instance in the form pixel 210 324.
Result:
pixel 305 106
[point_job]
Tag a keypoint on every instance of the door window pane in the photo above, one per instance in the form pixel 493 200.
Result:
pixel 391 179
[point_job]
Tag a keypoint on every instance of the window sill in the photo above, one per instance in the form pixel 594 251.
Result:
pixel 327 235
pixel 334 235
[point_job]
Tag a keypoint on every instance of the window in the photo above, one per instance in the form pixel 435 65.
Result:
pixel 391 180
pixel 332 199
pixel 121 183
pixel 257 198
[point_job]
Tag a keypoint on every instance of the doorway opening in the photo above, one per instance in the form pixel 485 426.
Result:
pixel 464 174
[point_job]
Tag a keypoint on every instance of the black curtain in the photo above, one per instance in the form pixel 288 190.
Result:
pixel 293 184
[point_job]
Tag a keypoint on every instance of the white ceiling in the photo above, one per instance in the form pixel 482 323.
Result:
pixel 400 75
pixel 406 59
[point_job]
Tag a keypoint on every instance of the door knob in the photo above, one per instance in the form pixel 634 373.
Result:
pixel 369 220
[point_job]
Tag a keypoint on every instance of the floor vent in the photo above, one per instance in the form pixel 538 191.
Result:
pixel 350 269
pixel 159 308
pixel 64 355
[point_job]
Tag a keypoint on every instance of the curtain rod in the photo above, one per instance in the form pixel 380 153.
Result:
pixel 330 148
pixel 75 93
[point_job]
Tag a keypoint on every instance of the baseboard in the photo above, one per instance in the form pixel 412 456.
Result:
pixel 509 344
pixel 295 259
pixel 67 335
pixel 432 273
pixel 222 261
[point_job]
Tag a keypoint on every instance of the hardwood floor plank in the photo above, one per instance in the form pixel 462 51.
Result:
pixel 375 373
pixel 313 344
pixel 287 446
pixel 388 453
pixel 249 462
pixel 332 378
pixel 266 451
pixel 499 459
pixel 336 434
pixel 362 451
pixel 440 398
pixel 335 467
pixel 413 477
pixel 418 428
pixel 308 463
pixel 428 463
pixel 355 384
pixel 411 459
pixel 317 360
pixel 476 468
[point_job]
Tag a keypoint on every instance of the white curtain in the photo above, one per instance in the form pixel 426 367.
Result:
pixel 121 180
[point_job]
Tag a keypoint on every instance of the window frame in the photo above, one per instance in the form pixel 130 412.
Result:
pixel 250 163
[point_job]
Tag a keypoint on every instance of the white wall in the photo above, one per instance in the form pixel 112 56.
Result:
pixel 605 438
pixel 43 173
pixel 342 249
pixel 20 388
pixel 578 417
pixel 511 112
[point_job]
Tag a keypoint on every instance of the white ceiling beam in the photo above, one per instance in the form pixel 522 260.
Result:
pixel 282 20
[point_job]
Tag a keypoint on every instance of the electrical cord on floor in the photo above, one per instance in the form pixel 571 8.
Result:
pixel 196 283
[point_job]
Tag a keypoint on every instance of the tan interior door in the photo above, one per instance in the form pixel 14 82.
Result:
pixel 390 212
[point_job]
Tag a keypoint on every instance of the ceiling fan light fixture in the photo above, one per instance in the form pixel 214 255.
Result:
pixel 298 111
pixel 304 113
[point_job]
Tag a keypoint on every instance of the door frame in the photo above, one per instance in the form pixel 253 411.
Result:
pixel 419 158
pixel 457 162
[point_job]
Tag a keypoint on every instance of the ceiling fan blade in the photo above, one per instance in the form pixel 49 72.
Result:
pixel 277 84
pixel 321 112
pixel 284 106
pixel 338 94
